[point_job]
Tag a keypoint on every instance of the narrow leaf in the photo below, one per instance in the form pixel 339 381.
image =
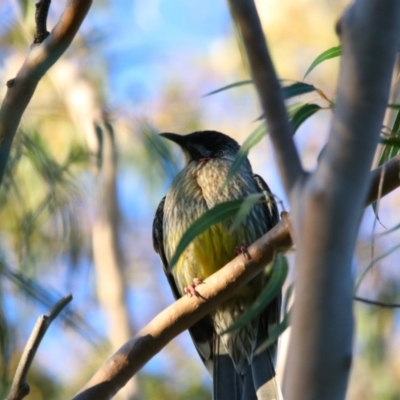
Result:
pixel 245 208
pixel 303 114
pixel 373 262
pixel 275 333
pixel 326 55
pixel 217 214
pixel 270 292
pixel 297 89
pixel 288 296
pixel 392 142
pixel 294 110
pixel 389 231
pixel 231 86
pixel 247 145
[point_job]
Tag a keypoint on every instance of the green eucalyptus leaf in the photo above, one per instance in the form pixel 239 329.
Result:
pixel 288 296
pixel 297 89
pixel 231 86
pixel 395 228
pixel 278 276
pixel 302 114
pixel 245 208
pixel 247 145
pixel 391 141
pixel 326 55
pixel 391 147
pixel 216 215
pixel 296 110
pixel 275 332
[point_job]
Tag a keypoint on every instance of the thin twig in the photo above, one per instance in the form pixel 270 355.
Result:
pixel 20 387
pixel 377 303
pixel 42 10
pixel 269 91
pixel 390 180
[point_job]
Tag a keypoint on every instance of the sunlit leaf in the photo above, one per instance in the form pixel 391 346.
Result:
pixel 373 262
pixel 217 214
pixel 270 292
pixel 326 55
pixel 231 86
pixel 302 114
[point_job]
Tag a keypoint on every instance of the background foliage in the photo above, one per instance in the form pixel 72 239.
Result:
pixel 142 68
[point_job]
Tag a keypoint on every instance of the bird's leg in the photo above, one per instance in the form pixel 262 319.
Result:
pixel 243 249
pixel 191 289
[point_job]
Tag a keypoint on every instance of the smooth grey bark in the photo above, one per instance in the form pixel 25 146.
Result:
pixel 326 206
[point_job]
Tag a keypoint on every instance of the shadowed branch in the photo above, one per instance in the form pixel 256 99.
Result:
pixel 42 10
pixel 20 387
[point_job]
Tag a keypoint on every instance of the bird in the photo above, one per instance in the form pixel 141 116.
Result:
pixel 237 372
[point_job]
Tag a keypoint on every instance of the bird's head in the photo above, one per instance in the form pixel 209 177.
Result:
pixel 204 145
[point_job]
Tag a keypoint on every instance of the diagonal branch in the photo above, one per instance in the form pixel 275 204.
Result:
pixel 182 314
pixel 269 91
pixel 20 387
pixel 389 181
pixel 40 58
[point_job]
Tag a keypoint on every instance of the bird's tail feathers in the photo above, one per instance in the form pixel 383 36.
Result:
pixel 256 381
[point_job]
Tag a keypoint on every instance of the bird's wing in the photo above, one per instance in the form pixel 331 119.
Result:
pixel 272 312
pixel 202 331
pixel 267 388
pixel 270 203
pixel 228 384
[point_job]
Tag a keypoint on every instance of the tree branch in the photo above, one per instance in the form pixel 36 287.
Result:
pixel 182 314
pixel 40 58
pixel 20 387
pixel 326 210
pixel 269 91
pixel 42 10
pixel 391 179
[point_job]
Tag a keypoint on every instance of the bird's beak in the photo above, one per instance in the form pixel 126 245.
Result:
pixel 174 137
pixel 191 150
